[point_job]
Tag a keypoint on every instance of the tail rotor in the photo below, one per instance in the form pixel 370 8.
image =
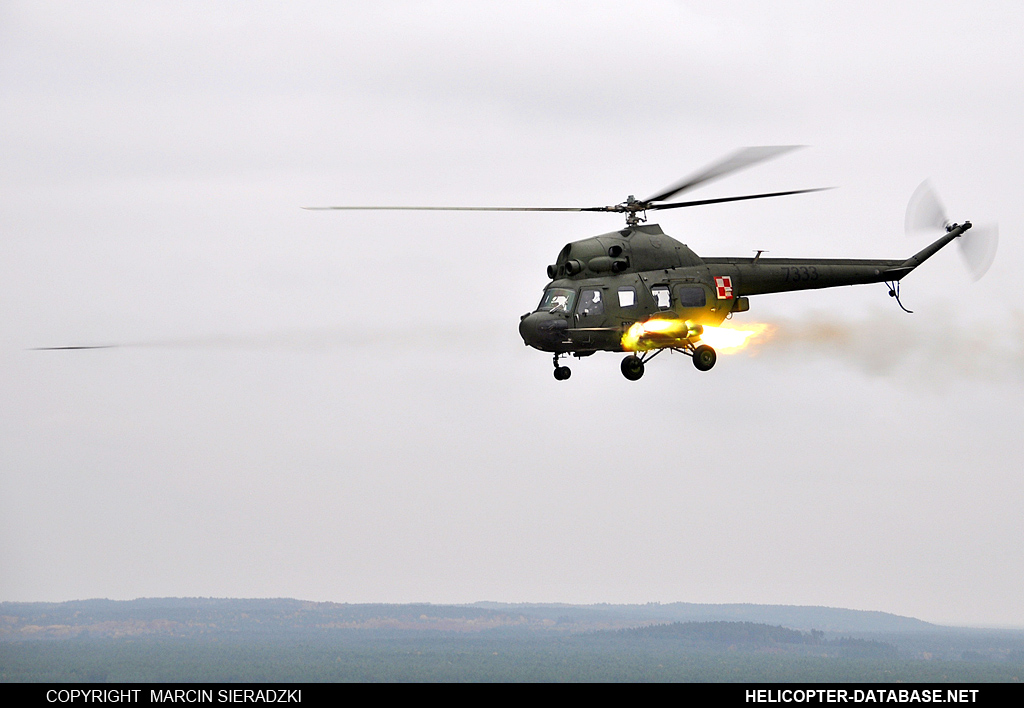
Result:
pixel 925 213
pixel 978 248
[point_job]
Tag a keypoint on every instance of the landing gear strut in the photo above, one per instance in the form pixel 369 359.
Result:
pixel 704 357
pixel 561 372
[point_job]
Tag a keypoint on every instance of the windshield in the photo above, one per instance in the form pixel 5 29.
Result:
pixel 557 300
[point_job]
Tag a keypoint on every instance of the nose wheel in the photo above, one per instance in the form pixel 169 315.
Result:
pixel 561 372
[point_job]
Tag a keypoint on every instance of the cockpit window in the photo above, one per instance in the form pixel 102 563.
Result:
pixel 557 300
pixel 627 297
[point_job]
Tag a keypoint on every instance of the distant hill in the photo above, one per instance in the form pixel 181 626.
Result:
pixel 829 619
pixel 211 616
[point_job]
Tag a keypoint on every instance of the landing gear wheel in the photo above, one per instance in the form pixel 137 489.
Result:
pixel 562 373
pixel 704 357
pixel 632 368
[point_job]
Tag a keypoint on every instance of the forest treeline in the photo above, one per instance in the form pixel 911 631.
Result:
pixel 223 640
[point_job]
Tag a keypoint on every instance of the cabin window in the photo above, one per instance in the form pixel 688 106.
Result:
pixel 627 297
pixel 591 303
pixel 662 296
pixel 557 300
pixel 691 296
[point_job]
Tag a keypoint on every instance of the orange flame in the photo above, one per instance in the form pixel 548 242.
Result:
pixel 730 339
pixel 659 333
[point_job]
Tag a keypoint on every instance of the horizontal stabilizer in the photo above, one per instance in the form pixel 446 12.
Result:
pixel 896 273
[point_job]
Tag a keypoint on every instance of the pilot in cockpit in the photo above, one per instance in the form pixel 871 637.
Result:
pixel 591 304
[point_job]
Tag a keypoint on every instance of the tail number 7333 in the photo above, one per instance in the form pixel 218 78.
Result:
pixel 794 273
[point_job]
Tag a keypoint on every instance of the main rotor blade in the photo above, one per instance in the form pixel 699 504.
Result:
pixel 451 208
pixel 737 161
pixel 700 202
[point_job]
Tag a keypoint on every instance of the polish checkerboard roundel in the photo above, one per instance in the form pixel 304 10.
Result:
pixel 723 287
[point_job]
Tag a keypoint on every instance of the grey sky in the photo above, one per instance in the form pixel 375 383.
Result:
pixel 337 406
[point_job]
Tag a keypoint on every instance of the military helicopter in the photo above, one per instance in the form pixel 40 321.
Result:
pixel 640 291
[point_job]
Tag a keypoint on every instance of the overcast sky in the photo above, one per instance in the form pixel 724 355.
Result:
pixel 337 406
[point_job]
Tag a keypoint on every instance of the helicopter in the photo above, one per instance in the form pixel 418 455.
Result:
pixel 641 292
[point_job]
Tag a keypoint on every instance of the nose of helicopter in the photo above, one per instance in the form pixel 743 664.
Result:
pixel 544 331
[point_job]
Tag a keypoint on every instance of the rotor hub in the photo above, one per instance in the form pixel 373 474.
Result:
pixel 635 210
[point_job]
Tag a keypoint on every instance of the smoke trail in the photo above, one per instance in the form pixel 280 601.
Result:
pixel 933 344
pixel 405 336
